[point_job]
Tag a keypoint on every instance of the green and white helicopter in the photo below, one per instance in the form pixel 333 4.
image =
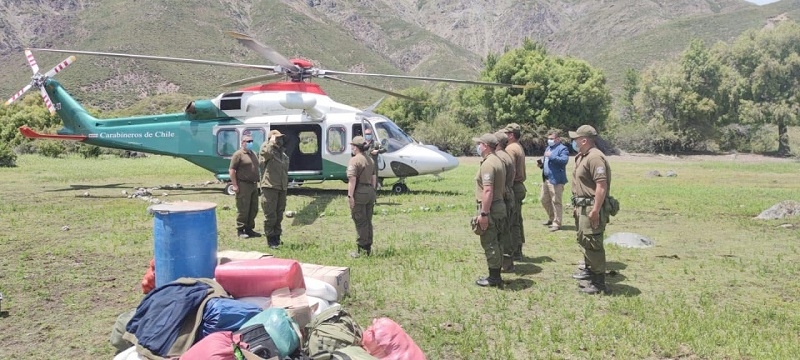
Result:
pixel 317 129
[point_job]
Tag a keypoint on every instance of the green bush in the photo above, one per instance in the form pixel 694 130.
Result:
pixel 7 156
pixel 448 135
pixel 89 151
pixel 52 149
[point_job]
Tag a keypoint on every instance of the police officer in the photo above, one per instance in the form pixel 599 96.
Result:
pixel 489 190
pixel 508 198
pixel 243 172
pixel 591 182
pixel 274 166
pixel 361 182
pixel 514 149
pixel 373 147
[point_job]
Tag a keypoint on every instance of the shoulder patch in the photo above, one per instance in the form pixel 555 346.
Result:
pixel 601 169
pixel 487 177
pixel 351 168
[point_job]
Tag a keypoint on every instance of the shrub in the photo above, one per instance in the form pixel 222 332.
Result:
pixel 7 157
pixel 448 135
pixel 52 149
pixel 89 151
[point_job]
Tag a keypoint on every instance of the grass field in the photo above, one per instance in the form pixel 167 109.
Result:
pixel 717 285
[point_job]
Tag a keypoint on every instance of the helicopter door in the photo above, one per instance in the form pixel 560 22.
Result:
pixel 303 146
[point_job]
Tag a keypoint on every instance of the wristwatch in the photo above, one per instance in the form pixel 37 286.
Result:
pixel 483 214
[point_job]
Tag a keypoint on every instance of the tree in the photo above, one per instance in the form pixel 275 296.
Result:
pixel 562 93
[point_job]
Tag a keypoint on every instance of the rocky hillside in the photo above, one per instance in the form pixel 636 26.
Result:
pixel 422 37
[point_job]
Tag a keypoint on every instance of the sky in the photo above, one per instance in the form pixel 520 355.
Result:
pixel 762 2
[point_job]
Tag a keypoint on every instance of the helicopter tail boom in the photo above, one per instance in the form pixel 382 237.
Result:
pixel 32 134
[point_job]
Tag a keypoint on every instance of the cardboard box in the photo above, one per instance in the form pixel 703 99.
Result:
pixel 337 276
pixel 227 256
pixel 296 304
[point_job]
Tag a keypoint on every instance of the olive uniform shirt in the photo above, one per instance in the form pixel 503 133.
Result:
pixel 245 162
pixel 274 165
pixel 589 169
pixel 516 152
pixel 492 172
pixel 508 162
pixel 362 168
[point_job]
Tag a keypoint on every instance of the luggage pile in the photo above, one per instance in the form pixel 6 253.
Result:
pixel 256 307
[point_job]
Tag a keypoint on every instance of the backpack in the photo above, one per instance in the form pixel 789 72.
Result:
pixel 352 353
pixel 258 341
pixel 329 331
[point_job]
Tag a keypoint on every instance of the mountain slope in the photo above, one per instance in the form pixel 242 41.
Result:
pixel 444 38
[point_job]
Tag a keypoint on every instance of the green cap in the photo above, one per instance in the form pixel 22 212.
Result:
pixel 488 139
pixel 358 141
pixel 583 131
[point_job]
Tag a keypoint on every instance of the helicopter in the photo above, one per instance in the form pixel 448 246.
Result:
pixel 316 128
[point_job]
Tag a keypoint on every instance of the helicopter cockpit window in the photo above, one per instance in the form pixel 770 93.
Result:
pixel 392 136
pixel 231 101
pixel 337 136
pixel 227 142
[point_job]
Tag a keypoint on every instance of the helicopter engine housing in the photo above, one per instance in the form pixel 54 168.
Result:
pixel 203 110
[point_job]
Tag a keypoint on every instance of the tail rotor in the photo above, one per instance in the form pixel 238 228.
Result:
pixel 38 80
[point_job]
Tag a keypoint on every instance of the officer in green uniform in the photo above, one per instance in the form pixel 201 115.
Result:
pixel 274 166
pixel 508 198
pixel 489 191
pixel 243 172
pixel 373 147
pixel 361 182
pixel 514 149
pixel 591 182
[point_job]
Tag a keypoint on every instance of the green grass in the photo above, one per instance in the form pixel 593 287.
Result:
pixel 718 284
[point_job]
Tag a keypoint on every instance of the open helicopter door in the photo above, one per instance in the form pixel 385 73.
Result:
pixel 358 130
pixel 303 146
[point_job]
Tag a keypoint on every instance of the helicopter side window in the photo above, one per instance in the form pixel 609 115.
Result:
pixel 308 142
pixel 227 142
pixel 258 136
pixel 337 136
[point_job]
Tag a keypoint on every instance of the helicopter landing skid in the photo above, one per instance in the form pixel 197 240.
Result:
pixel 400 186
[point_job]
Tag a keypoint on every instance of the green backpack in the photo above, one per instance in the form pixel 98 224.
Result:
pixel 352 353
pixel 331 330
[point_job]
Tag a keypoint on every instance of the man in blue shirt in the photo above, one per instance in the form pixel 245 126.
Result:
pixel 554 172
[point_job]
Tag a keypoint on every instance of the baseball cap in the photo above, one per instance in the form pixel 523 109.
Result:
pixel 501 136
pixel 583 131
pixel 275 133
pixel 513 127
pixel 488 139
pixel 358 141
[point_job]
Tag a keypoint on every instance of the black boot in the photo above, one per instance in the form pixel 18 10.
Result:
pixel 251 233
pixel 597 285
pixel 242 233
pixel 517 255
pixel 361 251
pixel 273 241
pixel 508 264
pixel 583 274
pixel 494 279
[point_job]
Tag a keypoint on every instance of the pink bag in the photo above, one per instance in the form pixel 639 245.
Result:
pixel 217 346
pixel 259 277
pixel 386 340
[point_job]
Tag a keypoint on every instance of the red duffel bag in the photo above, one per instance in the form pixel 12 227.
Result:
pixel 259 277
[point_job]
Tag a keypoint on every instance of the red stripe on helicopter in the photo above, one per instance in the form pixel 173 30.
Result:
pixel 30 133
pixel 288 86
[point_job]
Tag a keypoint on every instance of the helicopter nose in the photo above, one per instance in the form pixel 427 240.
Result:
pixel 431 160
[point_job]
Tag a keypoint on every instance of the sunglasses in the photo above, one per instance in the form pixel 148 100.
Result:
pixel 249 141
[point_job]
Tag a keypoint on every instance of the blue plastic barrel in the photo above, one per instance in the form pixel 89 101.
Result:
pixel 185 240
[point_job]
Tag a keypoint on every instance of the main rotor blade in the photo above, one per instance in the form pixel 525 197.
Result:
pixel 254 79
pixel 47 101
pixel 60 66
pixel 161 58
pixel 18 94
pixel 31 61
pixel 457 81
pixel 371 88
pixel 265 51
